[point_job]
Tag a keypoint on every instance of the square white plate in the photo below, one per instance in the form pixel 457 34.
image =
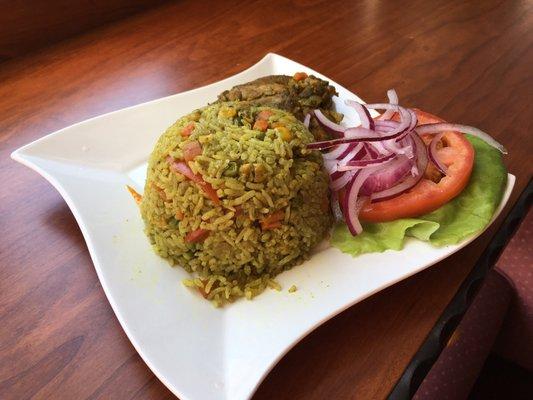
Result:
pixel 197 351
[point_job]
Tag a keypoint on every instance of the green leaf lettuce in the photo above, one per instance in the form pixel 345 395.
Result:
pixel 457 220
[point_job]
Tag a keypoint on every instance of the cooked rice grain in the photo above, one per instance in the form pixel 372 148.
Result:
pixel 256 175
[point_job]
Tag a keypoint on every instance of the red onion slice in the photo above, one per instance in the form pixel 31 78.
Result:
pixel 404 186
pixel 385 125
pixel 331 166
pixel 408 146
pixel 351 206
pixel 352 154
pixel 335 175
pixel 444 127
pixel 358 164
pixel 405 116
pixel 370 150
pixel 381 158
pixel 380 148
pixel 432 153
pixel 393 99
pixel 355 135
pixel 347 151
pixel 393 147
pixel 399 132
pixel 364 135
pixel 335 153
pixel 414 119
pixel 338 183
pixel 364 116
pixel 355 227
pixel 329 125
pixel 388 175
pixel 410 181
pixel 420 151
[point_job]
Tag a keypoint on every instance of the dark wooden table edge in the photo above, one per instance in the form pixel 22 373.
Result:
pixel 429 351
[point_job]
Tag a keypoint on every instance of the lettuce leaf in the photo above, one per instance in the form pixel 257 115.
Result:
pixel 452 223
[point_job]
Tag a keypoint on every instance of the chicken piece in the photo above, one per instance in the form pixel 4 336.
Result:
pixel 299 95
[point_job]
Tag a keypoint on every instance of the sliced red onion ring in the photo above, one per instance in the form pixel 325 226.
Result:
pixel 336 175
pixel 358 164
pixel 307 119
pixel 432 153
pixel 420 151
pixel 385 125
pixel 414 119
pixel 356 224
pixel 370 150
pixel 405 185
pixel 362 134
pixel 398 133
pixel 380 148
pixel 347 151
pixel 406 119
pixel 410 181
pixel 352 154
pixel 330 165
pixel 351 206
pixel 381 158
pixel 444 127
pixel 364 116
pixel 338 183
pixel 333 154
pixel 393 147
pixel 356 135
pixel 408 146
pixel 329 125
pixel 388 175
pixel 393 99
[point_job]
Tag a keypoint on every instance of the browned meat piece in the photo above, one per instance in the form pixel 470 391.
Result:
pixel 298 95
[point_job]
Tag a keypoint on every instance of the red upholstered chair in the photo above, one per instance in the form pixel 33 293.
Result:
pixel 499 319
pixel 515 341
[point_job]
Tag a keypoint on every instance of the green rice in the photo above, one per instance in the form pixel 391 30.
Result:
pixel 259 176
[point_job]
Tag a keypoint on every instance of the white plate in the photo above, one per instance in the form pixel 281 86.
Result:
pixel 197 351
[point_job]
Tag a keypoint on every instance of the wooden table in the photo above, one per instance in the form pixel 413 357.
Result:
pixel 59 339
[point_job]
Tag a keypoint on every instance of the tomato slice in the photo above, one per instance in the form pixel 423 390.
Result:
pixel 182 168
pixel 187 131
pixel 196 236
pixel 273 221
pixel 434 190
pixel 191 150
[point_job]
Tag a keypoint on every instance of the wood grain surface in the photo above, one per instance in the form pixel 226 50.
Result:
pixel 27 25
pixel 468 62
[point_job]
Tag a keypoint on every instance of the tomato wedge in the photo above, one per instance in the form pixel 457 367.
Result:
pixel 199 235
pixel 273 221
pixel 182 168
pixel 187 131
pixel 191 150
pixel 434 190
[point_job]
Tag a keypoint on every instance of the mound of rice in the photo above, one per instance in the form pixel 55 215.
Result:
pixel 233 196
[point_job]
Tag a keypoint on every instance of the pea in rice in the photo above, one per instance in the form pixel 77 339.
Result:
pixel 233 196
